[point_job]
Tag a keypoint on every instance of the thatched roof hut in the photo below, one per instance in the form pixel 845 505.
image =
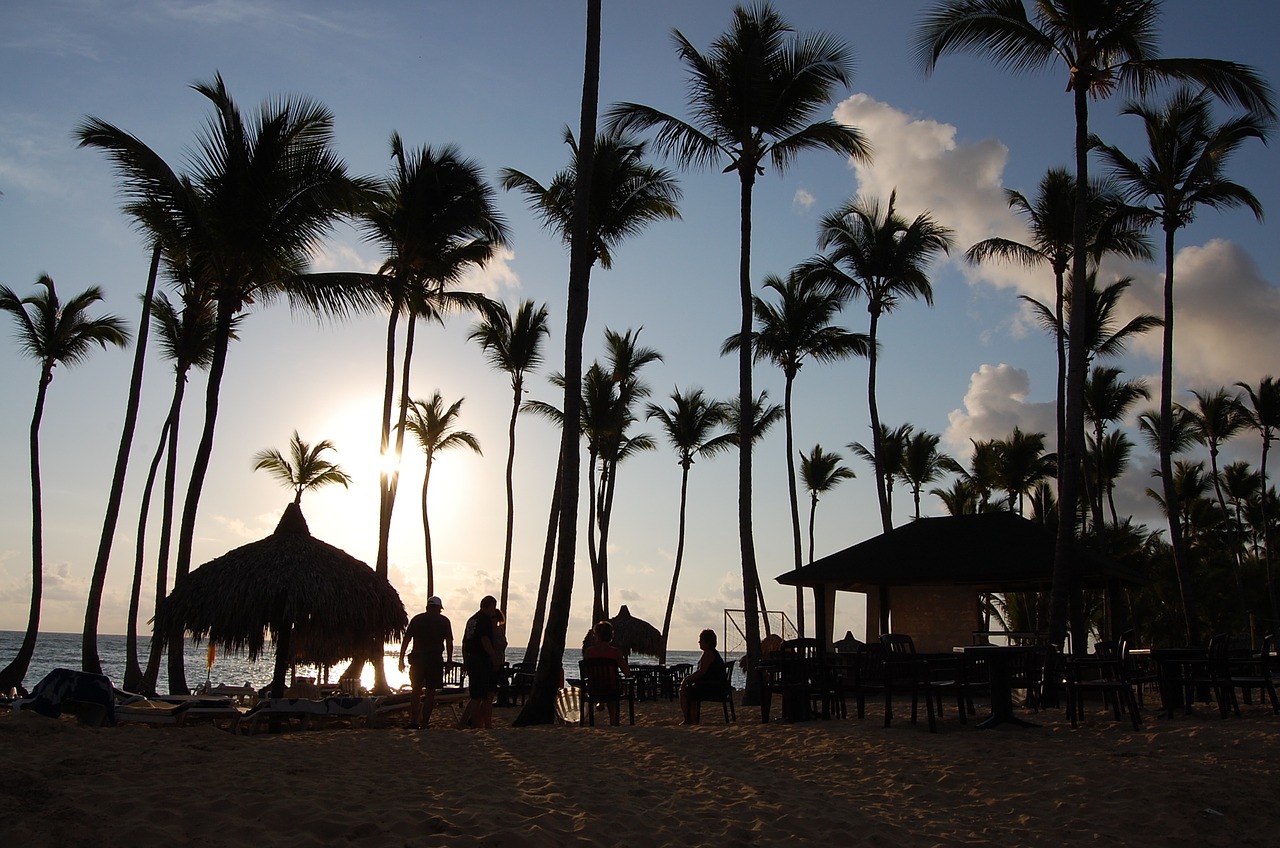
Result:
pixel 303 593
pixel 633 635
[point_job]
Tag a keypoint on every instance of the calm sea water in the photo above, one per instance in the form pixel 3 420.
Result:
pixel 62 650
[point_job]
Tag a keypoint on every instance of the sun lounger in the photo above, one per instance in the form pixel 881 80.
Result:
pixel 308 710
pixel 402 701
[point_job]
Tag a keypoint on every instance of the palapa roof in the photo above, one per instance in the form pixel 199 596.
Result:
pixel 336 604
pixel 998 551
pixel 633 635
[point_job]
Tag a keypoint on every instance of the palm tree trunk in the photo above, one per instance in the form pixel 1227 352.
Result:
pixel 516 385
pixel 597 607
pixel 151 675
pixel 204 451
pixel 675 573
pixel 13 674
pixel 384 479
pixel 1070 452
pixel 426 530
pixel 133 676
pixel 1177 540
pixel 751 587
pixel 877 446
pixel 539 707
pixel 89 659
pixel 544 581
pixel 606 518
pixel 795 505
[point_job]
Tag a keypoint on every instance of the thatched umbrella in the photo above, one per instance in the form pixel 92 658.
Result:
pixel 633 635
pixel 301 591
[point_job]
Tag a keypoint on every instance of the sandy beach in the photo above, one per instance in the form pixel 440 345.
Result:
pixel 1190 780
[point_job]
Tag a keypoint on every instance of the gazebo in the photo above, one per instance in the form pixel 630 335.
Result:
pixel 929 574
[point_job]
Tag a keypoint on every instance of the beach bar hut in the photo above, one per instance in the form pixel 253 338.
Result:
pixel 292 587
pixel 928 575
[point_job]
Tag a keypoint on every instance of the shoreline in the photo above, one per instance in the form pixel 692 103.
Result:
pixel 1189 780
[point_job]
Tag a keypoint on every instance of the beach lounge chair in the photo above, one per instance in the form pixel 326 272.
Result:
pixel 90 697
pixel 308 710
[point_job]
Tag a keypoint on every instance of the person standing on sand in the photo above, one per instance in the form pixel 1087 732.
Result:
pixel 482 661
pixel 706 679
pixel 430 632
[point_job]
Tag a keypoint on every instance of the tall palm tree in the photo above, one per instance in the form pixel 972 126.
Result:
pixel 539 706
pixel 821 472
pixel 606 194
pixel 185 337
pixel 1264 415
pixel 797 328
pixel 260 195
pixel 753 95
pixel 877 254
pixel 886 456
pixel 1184 169
pixel 304 468
pixel 922 463
pixel 434 426
pixel 513 345
pixel 1050 222
pixel 1021 465
pixel 1110 457
pixel 1107 400
pixel 1217 417
pixel 760 418
pixel 53 333
pixel 690 425
pixel 1103 47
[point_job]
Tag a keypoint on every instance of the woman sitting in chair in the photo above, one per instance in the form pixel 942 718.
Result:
pixel 603 648
pixel 706 681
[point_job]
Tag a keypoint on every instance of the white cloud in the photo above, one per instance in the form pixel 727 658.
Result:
pixel 959 183
pixel 995 403
pixel 1225 319
pixel 494 277
pixel 803 200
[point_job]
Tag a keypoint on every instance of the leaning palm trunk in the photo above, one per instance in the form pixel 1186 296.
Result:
pixel 516 385
pixel 606 516
pixel 539 707
pixel 426 531
pixel 795 504
pixel 675 573
pixel 877 442
pixel 12 675
pixel 200 467
pixel 133 675
pixel 89 659
pixel 544 581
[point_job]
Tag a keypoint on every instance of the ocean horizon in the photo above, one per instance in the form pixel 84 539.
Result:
pixel 62 650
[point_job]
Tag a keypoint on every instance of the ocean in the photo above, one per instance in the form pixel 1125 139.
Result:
pixel 62 650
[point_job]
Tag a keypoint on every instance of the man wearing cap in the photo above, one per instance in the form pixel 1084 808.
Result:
pixel 430 633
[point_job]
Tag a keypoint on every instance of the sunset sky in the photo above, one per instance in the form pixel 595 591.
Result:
pixel 501 80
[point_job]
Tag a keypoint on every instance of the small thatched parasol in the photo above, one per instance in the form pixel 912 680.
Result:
pixel 305 593
pixel 633 635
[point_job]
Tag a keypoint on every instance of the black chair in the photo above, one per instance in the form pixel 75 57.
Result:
pixel 1212 674
pixel 710 692
pixel 1256 672
pixel 521 676
pixel 905 673
pixel 603 683
pixel 1103 672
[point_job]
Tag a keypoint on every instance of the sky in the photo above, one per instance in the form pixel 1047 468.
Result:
pixel 501 80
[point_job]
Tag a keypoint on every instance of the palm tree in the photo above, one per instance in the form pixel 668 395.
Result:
pixel 515 346
pixel 52 333
pixel 922 463
pixel 877 254
pixel 1110 457
pixel 433 426
pixel 185 338
pixel 753 95
pixel 1184 169
pixel 1103 47
pixel 821 472
pixel 1217 417
pixel 260 197
pixel 1021 465
pixel 1263 414
pixel 539 706
pixel 797 328
pixel 1107 400
pixel 886 455
pixel 689 425
pixel 760 418
pixel 304 469
pixel 1050 220
pixel 960 499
